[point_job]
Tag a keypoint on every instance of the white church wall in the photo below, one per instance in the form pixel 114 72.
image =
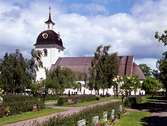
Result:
pixel 52 55
pixel 40 74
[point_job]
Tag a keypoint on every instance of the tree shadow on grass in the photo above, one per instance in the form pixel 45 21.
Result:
pixel 154 121
pixel 157 104
pixel 152 107
pixel 158 107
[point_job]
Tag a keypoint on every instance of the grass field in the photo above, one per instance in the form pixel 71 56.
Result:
pixel 27 115
pixel 91 102
pixel 80 104
pixel 132 119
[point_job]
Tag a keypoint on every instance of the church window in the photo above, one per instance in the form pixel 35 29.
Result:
pixel 45 52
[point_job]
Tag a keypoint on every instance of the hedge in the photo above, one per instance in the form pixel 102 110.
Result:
pixel 76 99
pixel 132 101
pixel 15 104
pixel 86 114
pixel 51 97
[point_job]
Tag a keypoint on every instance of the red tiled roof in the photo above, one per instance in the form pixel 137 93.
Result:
pixel 76 64
pixel 82 65
pixel 138 72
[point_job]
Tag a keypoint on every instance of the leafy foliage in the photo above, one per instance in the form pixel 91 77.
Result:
pixel 132 101
pixel 129 84
pixel 17 104
pixel 151 85
pixel 59 79
pixel 35 63
pixel 146 70
pixel 15 76
pixel 104 68
pixel 162 38
pixel 163 62
pixel 77 99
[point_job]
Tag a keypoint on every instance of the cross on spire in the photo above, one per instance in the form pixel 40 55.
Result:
pixel 49 22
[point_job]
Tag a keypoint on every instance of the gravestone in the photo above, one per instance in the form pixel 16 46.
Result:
pixel 120 108
pixel 113 114
pixel 105 116
pixel 81 122
pixel 95 120
pixel 35 107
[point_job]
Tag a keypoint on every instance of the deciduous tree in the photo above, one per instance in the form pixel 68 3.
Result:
pixel 14 76
pixel 151 85
pixel 162 63
pixel 146 70
pixel 104 68
pixel 59 79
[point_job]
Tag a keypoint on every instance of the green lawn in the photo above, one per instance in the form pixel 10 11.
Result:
pixel 132 119
pixel 91 102
pixel 27 115
pixel 80 104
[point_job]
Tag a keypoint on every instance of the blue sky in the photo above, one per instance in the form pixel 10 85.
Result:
pixel 111 6
pixel 127 25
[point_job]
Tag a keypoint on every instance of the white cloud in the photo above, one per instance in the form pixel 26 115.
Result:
pixel 128 34
pixel 90 8
pixel 151 62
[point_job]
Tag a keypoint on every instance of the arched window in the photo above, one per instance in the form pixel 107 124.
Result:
pixel 45 52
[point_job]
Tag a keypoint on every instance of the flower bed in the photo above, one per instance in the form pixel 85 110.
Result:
pixel 86 114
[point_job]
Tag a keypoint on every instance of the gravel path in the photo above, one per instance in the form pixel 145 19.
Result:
pixel 70 110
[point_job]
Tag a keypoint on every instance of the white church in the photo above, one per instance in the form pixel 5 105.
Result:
pixel 50 43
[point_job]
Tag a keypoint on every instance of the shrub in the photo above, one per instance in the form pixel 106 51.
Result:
pixel 51 97
pixel 97 98
pixel 61 101
pixel 132 101
pixel 76 99
pixel 87 114
pixel 18 103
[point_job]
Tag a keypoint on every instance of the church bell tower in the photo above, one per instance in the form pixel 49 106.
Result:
pixel 50 45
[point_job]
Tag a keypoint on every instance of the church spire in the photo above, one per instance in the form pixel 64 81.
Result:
pixel 49 22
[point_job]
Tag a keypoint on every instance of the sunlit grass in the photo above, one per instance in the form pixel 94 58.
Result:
pixel 27 115
pixel 132 119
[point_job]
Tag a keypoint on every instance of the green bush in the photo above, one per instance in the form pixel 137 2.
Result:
pixel 18 103
pixel 76 99
pixel 87 114
pixel 61 101
pixel 132 101
pixel 51 97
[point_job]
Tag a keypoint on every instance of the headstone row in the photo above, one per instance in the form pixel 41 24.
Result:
pixel 95 119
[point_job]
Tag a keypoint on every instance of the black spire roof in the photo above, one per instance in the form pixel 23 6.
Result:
pixel 49 21
pixel 49 38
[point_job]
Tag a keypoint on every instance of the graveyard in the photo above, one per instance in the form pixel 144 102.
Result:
pixel 83 63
